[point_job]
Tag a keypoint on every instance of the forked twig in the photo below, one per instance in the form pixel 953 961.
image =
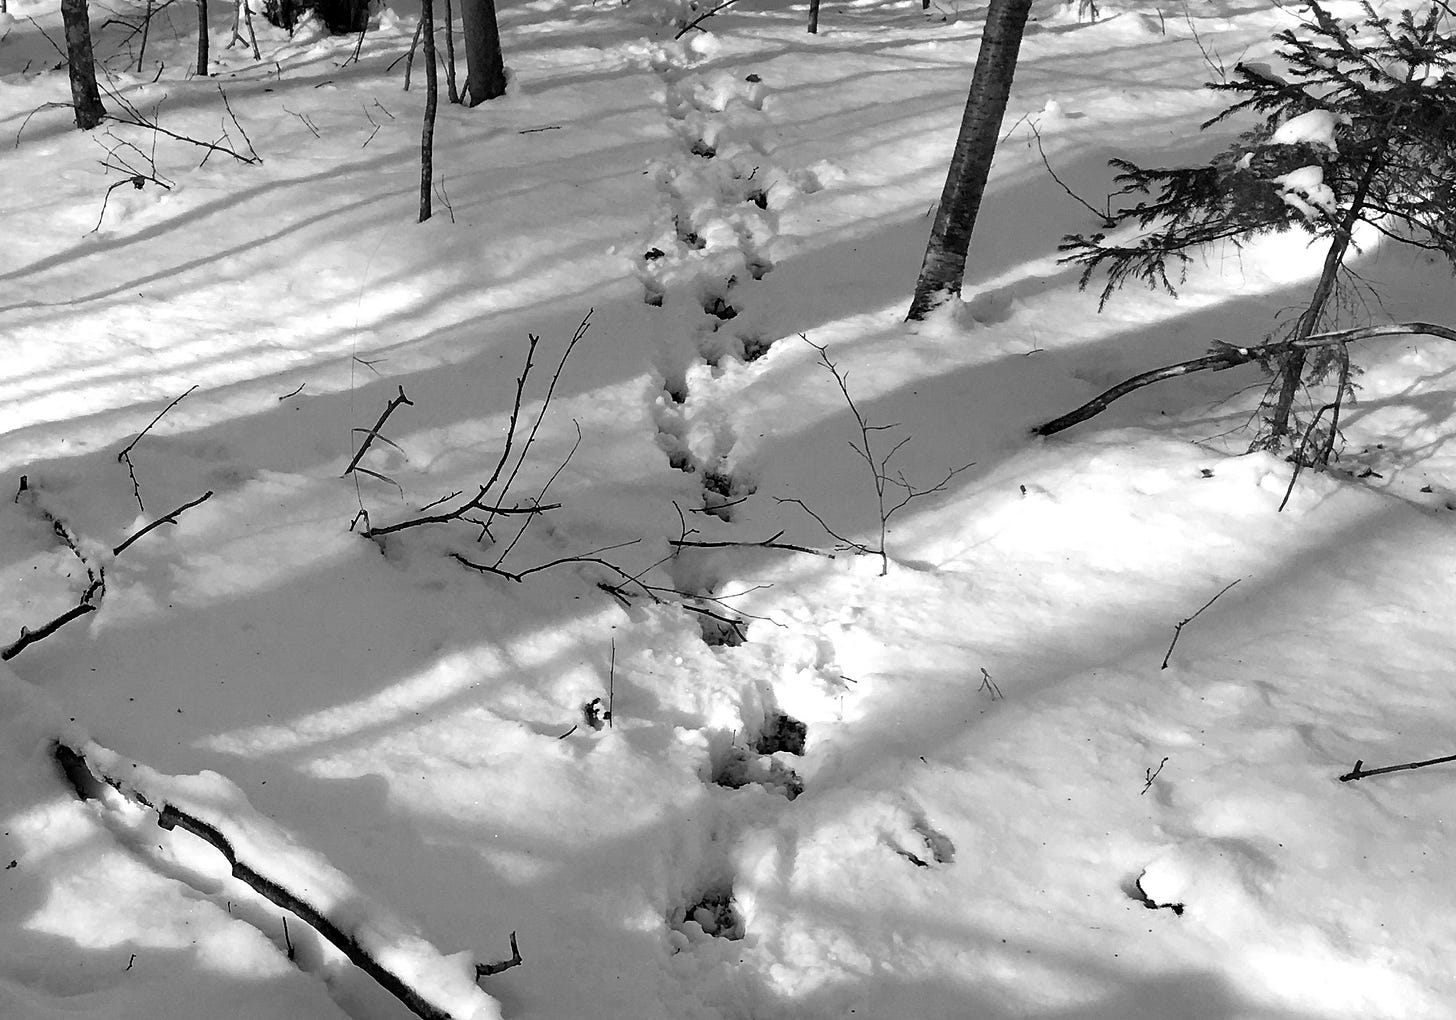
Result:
pixel 373 433
pixel 124 457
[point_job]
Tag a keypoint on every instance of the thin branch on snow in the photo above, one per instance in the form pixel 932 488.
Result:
pixel 483 503
pixel 124 457
pixel 1178 627
pixel 487 969
pixel 170 518
pixel 1360 771
pixel 373 433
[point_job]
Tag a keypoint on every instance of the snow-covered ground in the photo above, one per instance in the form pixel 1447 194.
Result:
pixel 955 790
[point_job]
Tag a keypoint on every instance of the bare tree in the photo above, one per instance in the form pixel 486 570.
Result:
pixel 485 73
pixel 970 165
pixel 84 95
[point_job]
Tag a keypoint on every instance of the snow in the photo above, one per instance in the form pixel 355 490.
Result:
pixel 1305 189
pixel 965 787
pixel 1317 127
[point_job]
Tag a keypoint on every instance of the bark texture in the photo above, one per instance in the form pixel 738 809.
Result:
pixel 85 97
pixel 485 76
pixel 970 165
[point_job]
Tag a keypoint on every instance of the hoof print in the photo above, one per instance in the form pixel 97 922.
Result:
pixel 931 846
pixel 782 732
pixel 719 308
pixel 1137 892
pixel 721 631
pixel 754 348
pixel 703 148
pixel 714 915
pixel 758 268
pixel 740 768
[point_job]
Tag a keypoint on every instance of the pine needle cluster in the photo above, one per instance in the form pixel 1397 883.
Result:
pixel 1357 126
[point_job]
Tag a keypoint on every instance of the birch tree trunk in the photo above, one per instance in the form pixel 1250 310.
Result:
pixel 970 165
pixel 84 95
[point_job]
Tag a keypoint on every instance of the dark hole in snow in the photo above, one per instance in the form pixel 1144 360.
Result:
pixel 755 347
pixel 652 254
pixel 677 394
pixel 755 79
pixel 716 915
pixel 781 733
pixel 680 461
pixel 594 713
pixel 942 850
pixel 719 308
pixel 719 482
pixel 738 768
pixel 652 297
pixel 759 268
pixel 758 198
pixel 1136 892
pixel 724 633
pixel 687 235
pixel 703 148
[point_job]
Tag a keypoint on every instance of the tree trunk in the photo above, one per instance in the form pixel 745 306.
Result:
pixel 84 95
pixel 202 57
pixel 1291 367
pixel 485 74
pixel 950 238
pixel 432 95
pixel 813 17
pixel 451 91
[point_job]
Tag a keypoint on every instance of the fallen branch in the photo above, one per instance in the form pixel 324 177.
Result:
pixel 1225 355
pixel 1178 627
pixel 78 770
pixel 373 433
pixel 1360 772
pixel 768 543
pixel 482 503
pixel 170 518
pixel 86 604
pixel 29 636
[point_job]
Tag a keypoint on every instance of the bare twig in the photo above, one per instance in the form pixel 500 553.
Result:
pixel 990 686
pixel 373 433
pixel 487 969
pixel 768 543
pixel 1360 772
pixel 1103 214
pixel 170 518
pixel 698 21
pixel 611 683
pixel 878 465
pixel 1150 774
pixel 1178 627
pixel 124 457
